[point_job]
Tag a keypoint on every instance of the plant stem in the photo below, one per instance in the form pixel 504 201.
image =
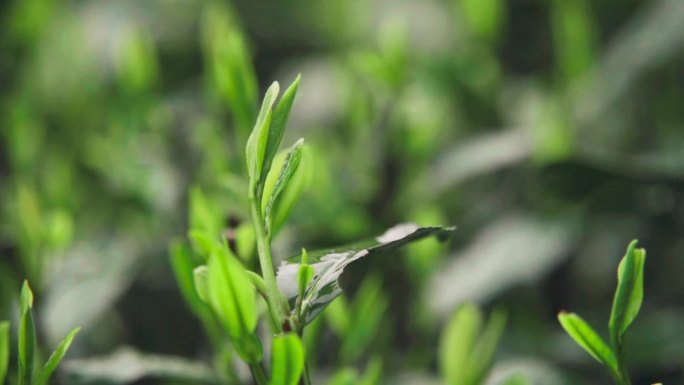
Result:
pixel 305 376
pixel 259 374
pixel 274 300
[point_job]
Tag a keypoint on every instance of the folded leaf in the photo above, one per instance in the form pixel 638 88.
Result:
pixel 286 176
pixel 330 264
pixel 4 349
pixel 27 336
pixel 258 139
pixel 287 360
pixel 281 113
pixel 55 358
pixel 587 338
pixel 629 293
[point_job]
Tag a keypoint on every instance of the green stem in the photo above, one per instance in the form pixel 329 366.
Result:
pixel 259 374
pixel 275 299
pixel 306 377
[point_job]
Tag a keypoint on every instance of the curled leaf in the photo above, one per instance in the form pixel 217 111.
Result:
pixel 329 265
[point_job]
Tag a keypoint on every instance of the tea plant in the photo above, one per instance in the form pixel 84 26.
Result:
pixel 27 351
pixel 626 305
pixel 223 292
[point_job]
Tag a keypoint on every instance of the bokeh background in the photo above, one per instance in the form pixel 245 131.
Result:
pixel 551 132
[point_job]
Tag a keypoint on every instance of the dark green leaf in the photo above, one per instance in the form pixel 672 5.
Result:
pixel 4 349
pixel 330 264
pixel 287 360
pixel 587 338
pixel 281 113
pixel 55 358
pixel 629 293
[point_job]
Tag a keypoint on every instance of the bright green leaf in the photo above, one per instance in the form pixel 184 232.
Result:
pixel 200 278
pixel 183 266
pixel 258 139
pixel 458 342
pixel 55 358
pixel 589 340
pixel 287 360
pixel 281 113
pixel 483 354
pixel 629 293
pixel 4 349
pixel 231 295
pixel 285 177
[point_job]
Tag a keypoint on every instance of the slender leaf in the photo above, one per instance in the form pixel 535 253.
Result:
pixel 55 358
pixel 287 173
pixel 281 113
pixel 329 265
pixel 629 293
pixel 4 349
pixel 183 266
pixel 256 144
pixel 589 340
pixel 293 176
pixel 27 336
pixel 483 354
pixel 231 295
pixel 458 342
pixel 287 360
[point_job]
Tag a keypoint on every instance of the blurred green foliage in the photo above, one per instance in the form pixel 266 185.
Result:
pixel 549 131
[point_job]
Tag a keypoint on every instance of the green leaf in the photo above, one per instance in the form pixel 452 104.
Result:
pixel 483 354
pixel 281 113
pixel 287 360
pixel 286 175
pixel 589 340
pixel 458 342
pixel 4 349
pixel 27 336
pixel 329 265
pixel 55 358
pixel 282 189
pixel 25 298
pixel 201 242
pixel 203 217
pixel 200 278
pixel 629 293
pixel 183 265
pixel 258 139
pixel 231 295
